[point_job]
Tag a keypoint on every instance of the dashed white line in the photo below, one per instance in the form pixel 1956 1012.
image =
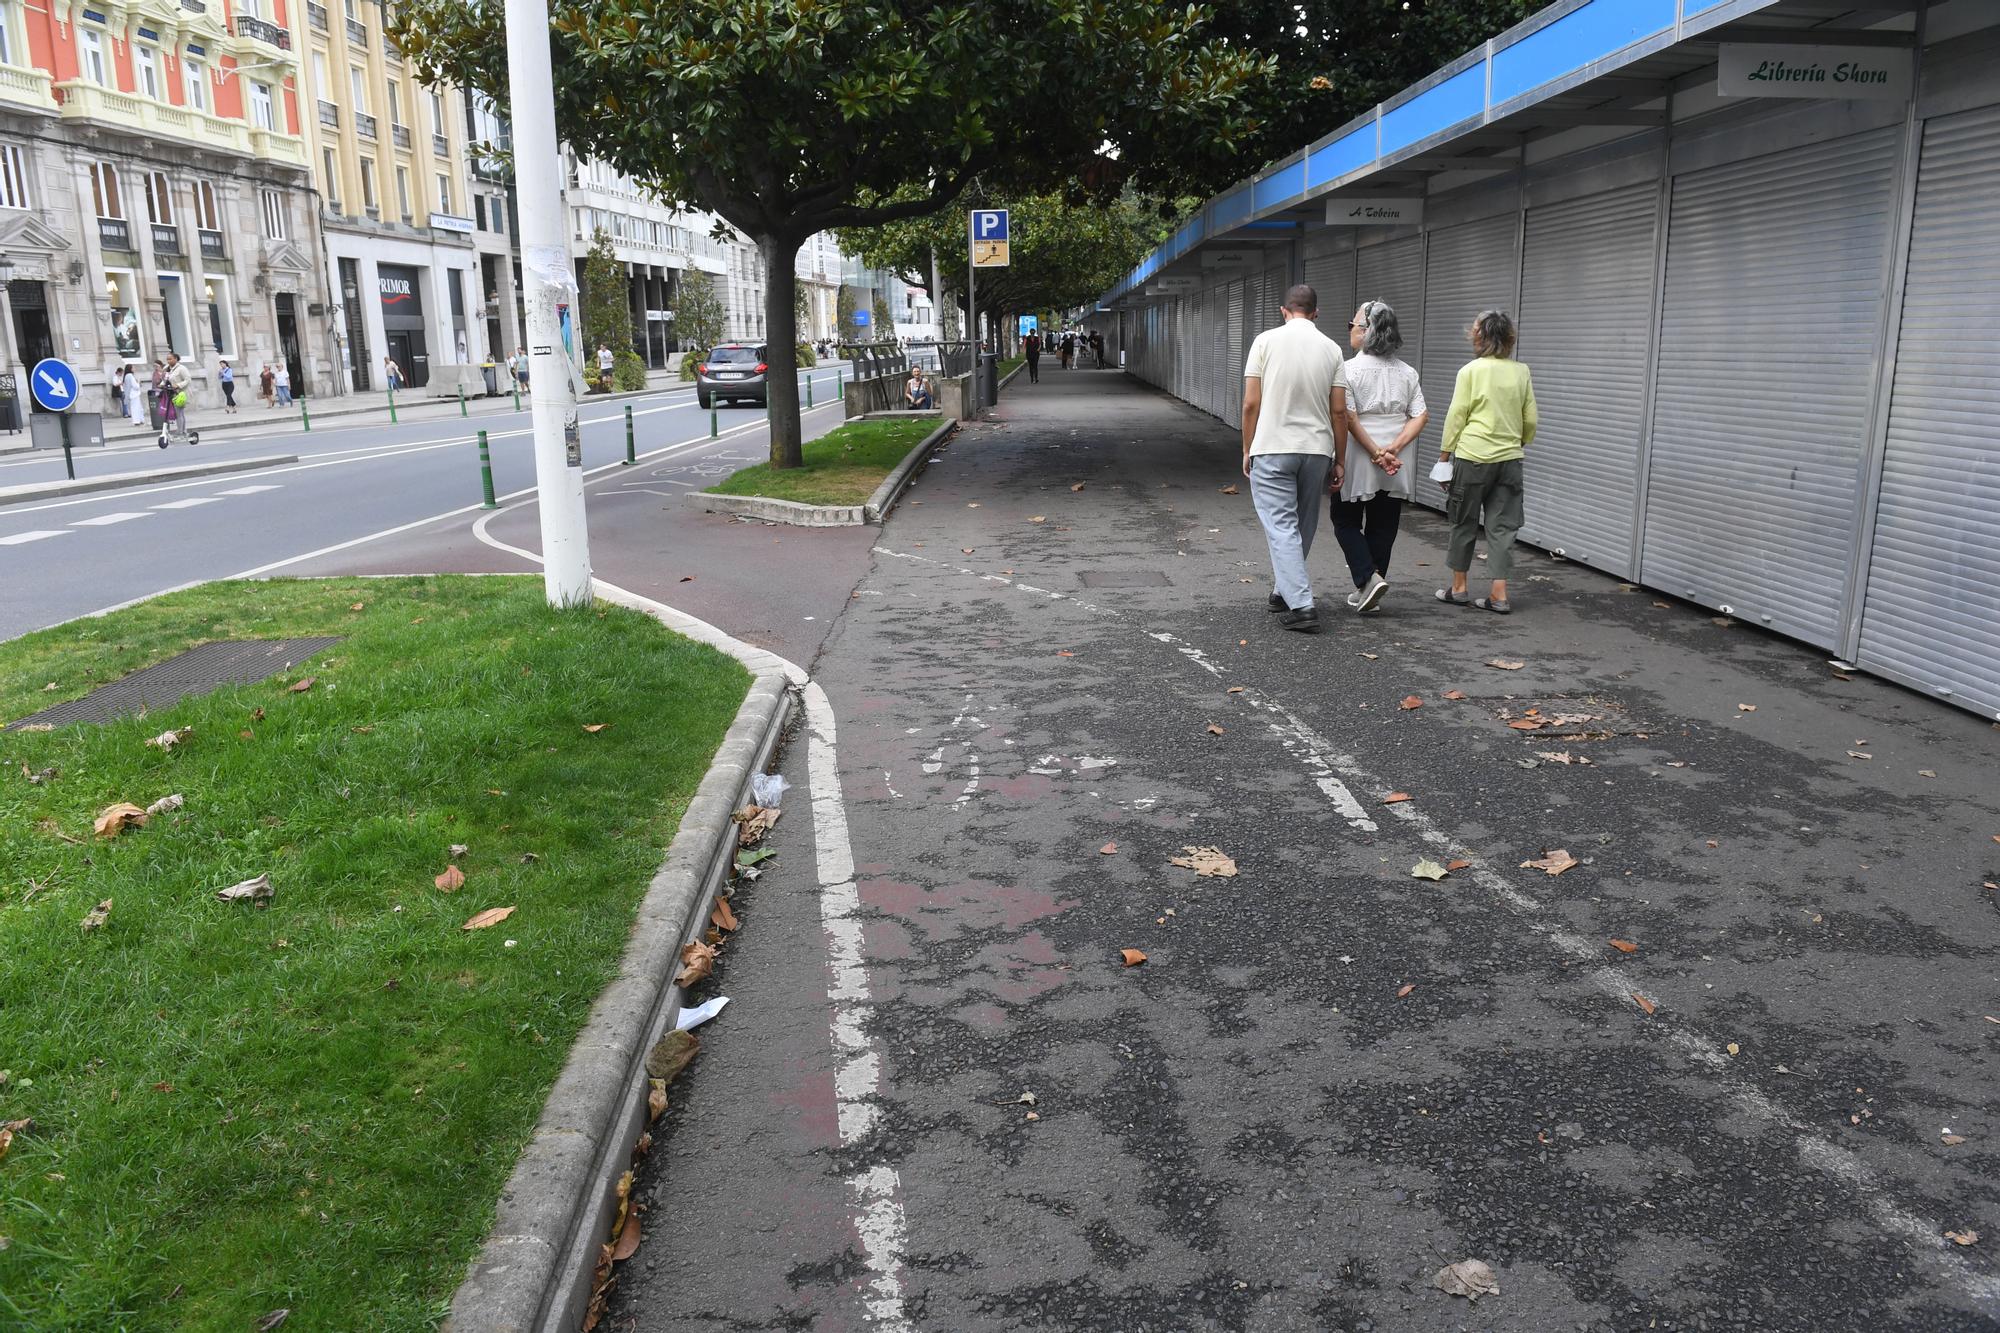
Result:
pixel 251 490
pixel 21 538
pixel 106 520
pixel 188 503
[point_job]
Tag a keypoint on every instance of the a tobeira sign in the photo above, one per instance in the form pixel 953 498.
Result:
pixel 1786 69
pixel 1374 212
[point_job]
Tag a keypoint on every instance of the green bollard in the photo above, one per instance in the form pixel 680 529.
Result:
pixel 461 402
pixel 392 405
pixel 631 456
pixel 839 390
pixel 711 423
pixel 517 395
pixel 809 391
pixel 305 417
pixel 486 473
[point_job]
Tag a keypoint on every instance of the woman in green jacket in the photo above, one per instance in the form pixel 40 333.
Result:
pixel 1490 424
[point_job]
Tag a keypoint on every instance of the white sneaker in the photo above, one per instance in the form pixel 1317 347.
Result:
pixel 1370 597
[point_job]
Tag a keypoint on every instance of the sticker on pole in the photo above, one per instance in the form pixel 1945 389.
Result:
pixel 989 238
pixel 572 442
pixel 53 385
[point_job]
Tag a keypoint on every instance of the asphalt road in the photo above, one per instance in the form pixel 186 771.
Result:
pixel 69 557
pixel 1329 1078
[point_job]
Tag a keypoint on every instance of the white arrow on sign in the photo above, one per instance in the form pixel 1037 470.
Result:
pixel 55 387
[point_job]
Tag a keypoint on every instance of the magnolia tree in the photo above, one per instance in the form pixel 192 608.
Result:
pixel 788 117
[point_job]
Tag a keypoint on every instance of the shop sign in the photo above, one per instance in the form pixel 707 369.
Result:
pixel 451 222
pixel 1374 212
pixel 1797 69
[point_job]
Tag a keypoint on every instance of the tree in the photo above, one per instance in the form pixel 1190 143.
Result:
pixel 883 317
pixel 698 318
pixel 607 312
pixel 787 117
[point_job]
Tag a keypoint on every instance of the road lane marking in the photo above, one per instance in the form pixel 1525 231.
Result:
pixel 188 503
pixel 21 538
pixel 105 520
pixel 250 490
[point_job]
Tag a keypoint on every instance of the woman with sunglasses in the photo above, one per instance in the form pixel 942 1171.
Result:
pixel 1385 414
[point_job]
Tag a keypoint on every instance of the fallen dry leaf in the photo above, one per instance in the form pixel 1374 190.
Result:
pixel 1951 1140
pixel 670 1055
pixel 1214 730
pixel 1410 701
pixel 656 1098
pixel 1373 657
pixel 451 880
pixel 1208 862
pixel 1108 849
pixel 1553 863
pixel 723 915
pixel 95 918
pixel 456 851
pixel 166 805
pixel 753 822
pixel 697 962
pixel 1234 689
pixel 492 916
pixel 1400 994
pixel 1395 798
pixel 1857 754
pixel 1077 487
pixel 628 1240
pixel 1427 869
pixel 1746 708
pixel 1454 694
pixel 1131 957
pixel 1039 518
pixel 357 606
pixel 1457 865
pixel 594 727
pixel 965 550
pixel 1064 652
pixel 1229 490
pixel 1528 724
pixel 167 740
pixel 1733 1048
pixel 272 1320
pixel 1505 664
pixel 1643 1002
pixel 1624 946
pixel 115 819
pixel 256 890
pixel 303 684
pixel 1470 1278
pixel 1966 1237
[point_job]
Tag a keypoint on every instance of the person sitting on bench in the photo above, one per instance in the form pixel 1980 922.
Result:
pixel 917 393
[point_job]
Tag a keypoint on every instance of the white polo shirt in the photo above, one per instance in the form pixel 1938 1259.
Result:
pixel 1300 366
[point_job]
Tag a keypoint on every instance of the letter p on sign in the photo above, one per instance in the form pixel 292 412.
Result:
pixel 989 238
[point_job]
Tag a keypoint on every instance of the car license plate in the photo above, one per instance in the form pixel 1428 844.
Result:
pixel 729 374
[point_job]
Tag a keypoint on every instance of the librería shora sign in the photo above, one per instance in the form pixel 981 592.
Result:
pixel 1797 69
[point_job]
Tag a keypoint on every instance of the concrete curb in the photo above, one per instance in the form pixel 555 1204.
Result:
pixel 112 481
pixel 534 1272
pixel 871 510
pixel 1009 377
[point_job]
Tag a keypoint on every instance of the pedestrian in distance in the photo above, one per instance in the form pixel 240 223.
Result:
pixel 392 374
pixel 605 363
pixel 1294 436
pixel 174 387
pixel 1031 347
pixel 917 392
pixel 226 377
pixel 134 396
pixel 159 385
pixel 1097 347
pixel 521 366
pixel 282 382
pixel 1385 414
pixel 267 386
pixel 1487 430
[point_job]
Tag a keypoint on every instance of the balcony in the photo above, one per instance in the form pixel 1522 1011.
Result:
pixel 274 146
pixel 268 33
pixel 30 86
pixel 364 125
pixel 211 244
pixel 390 49
pixel 114 233
pixel 316 15
pixel 166 239
pixel 357 32
pixel 440 145
pixel 329 115
pixel 82 100
pixel 400 135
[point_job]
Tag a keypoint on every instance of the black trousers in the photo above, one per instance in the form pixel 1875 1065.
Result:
pixel 1034 367
pixel 1366 530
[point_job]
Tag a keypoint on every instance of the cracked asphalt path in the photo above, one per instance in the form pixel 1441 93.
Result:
pixel 1330 1078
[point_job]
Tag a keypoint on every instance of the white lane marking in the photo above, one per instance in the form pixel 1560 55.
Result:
pixel 106 520
pixel 20 538
pixel 1330 765
pixel 188 503
pixel 250 490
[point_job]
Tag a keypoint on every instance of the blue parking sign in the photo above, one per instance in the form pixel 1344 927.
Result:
pixel 989 238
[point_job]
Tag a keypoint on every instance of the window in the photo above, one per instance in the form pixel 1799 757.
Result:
pixel 322 89
pixel 159 199
pixel 395 103
pixel 403 191
pixel 260 106
pixel 357 87
pixel 95 67
pixel 173 307
pixel 207 214
pixel 215 295
pixel 437 112
pixel 444 192
pixel 13 177
pixel 6 32
pixel 274 214
pixel 197 84
pixel 329 176
pixel 253 8
pixel 368 182
pixel 146 67
pixel 352 8
pixel 104 190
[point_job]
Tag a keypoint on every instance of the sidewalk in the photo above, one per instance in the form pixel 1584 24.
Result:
pixel 1329 1078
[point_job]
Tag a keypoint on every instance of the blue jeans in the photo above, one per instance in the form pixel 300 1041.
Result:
pixel 1288 490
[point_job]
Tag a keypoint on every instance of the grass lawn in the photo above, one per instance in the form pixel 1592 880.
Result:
pixel 842 467
pixel 1006 367
pixel 313 1105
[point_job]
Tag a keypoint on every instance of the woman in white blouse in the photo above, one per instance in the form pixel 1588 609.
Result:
pixel 1385 414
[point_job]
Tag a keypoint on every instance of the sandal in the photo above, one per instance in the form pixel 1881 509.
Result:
pixel 1499 608
pixel 1456 599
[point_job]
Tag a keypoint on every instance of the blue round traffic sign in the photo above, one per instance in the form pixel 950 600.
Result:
pixel 53 385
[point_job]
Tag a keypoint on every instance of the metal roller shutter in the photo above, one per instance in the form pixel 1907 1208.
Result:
pixel 1394 273
pixel 1774 277
pixel 1238 349
pixel 1470 269
pixel 1218 347
pixel 1332 276
pixel 1932 614
pixel 1586 305
pixel 1197 343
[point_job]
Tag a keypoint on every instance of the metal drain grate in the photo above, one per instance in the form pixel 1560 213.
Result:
pixel 196 671
pixel 1122 578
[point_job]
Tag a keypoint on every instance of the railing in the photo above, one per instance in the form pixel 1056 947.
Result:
pixel 114 233
pixel 357 32
pixel 879 368
pixel 329 114
pixel 166 239
pixel 400 135
pixel 258 30
pixel 364 125
pixel 316 15
pixel 212 246
pixel 440 145
pixel 35 82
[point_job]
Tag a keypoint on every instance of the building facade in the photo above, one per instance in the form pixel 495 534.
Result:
pixel 153 191
pixel 656 244
pixel 496 229
pixel 389 158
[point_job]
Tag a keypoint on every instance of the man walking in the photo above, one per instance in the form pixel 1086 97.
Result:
pixel 1294 436
pixel 1031 346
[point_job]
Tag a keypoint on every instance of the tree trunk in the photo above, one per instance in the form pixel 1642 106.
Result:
pixel 781 350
